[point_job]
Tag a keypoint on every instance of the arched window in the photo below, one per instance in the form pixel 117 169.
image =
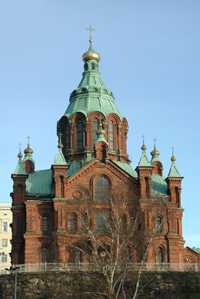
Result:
pixel 177 194
pixel 44 255
pixel 68 137
pixel 77 256
pixel 64 130
pixel 72 223
pixel 177 226
pixel 80 133
pixel 102 188
pixel 45 225
pixel 160 255
pixel 158 224
pixel 111 135
pixel 95 127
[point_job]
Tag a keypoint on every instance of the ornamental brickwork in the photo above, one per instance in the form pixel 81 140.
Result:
pixel 90 168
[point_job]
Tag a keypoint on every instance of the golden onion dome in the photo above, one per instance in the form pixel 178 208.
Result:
pixel 28 150
pixel 91 55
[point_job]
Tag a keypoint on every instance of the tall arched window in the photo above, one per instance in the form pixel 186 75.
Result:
pixel 63 128
pixel 177 194
pixel 160 255
pixel 111 135
pixel 45 225
pixel 102 190
pixel 177 226
pixel 95 127
pixel 72 223
pixel 158 224
pixel 80 132
pixel 68 137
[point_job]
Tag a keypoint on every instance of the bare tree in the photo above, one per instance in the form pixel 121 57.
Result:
pixel 115 243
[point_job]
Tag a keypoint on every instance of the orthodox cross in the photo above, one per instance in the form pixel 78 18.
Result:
pixel 90 29
pixel 28 140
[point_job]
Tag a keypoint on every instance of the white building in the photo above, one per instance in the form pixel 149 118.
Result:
pixel 5 235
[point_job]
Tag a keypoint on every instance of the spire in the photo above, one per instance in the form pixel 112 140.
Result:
pixel 20 165
pixel 59 158
pixel 28 152
pixel 155 153
pixel 144 162
pixel 173 172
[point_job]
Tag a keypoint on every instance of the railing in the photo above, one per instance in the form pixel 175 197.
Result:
pixel 89 267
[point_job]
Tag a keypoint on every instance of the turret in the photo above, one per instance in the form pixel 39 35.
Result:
pixel 174 180
pixel 144 171
pixel 19 177
pixel 29 163
pixel 155 161
pixel 59 169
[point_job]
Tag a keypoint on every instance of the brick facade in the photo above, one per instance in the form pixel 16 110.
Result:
pixel 47 225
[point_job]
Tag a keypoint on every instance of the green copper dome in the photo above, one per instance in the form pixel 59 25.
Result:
pixel 92 95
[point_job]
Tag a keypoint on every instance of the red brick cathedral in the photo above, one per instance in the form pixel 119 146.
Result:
pixel 91 164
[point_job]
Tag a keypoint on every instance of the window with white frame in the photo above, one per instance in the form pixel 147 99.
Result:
pixel 5 226
pixel 4 242
pixel 3 257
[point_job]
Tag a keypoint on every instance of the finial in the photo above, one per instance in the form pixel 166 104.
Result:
pixel 173 157
pixel 28 141
pixel 90 29
pixel 155 152
pixel 28 150
pixel 91 54
pixel 20 152
pixel 60 145
pixel 143 147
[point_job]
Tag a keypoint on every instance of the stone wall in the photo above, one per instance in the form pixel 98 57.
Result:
pixel 62 285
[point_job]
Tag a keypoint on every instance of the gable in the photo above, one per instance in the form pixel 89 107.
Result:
pixel 80 184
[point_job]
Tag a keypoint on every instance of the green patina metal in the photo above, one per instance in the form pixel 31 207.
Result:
pixel 144 162
pixel 126 167
pixel 173 172
pixel 59 158
pixel 75 166
pixel 39 183
pixel 20 168
pixel 158 185
pixel 92 95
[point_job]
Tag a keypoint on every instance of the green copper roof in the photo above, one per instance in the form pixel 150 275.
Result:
pixel 144 162
pixel 75 166
pixel 59 158
pixel 173 172
pixel 92 94
pixel 126 167
pixel 20 168
pixel 158 185
pixel 39 183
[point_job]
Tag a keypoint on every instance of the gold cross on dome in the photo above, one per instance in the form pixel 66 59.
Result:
pixel 90 29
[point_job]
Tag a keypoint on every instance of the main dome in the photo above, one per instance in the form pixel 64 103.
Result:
pixel 92 95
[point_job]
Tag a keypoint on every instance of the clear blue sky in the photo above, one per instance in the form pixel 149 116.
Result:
pixel 150 60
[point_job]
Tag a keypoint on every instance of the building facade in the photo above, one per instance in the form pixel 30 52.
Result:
pixel 92 165
pixel 5 235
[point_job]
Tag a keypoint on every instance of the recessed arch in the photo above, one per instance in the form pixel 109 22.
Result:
pixel 101 188
pixel 160 255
